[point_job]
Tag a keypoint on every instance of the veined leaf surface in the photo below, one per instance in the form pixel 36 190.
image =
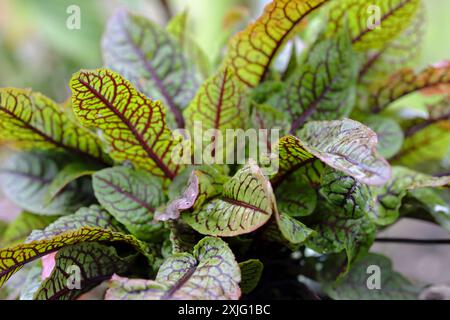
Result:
pixel 31 120
pixel 365 31
pixel 247 202
pixel 251 271
pixel 131 197
pixel 97 262
pixel 26 179
pixel 390 135
pixel 152 60
pixel 293 230
pixel 133 125
pixel 253 50
pixel 211 272
pixel 405 82
pixel 324 87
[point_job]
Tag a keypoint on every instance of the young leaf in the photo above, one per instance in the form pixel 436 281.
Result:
pixel 345 192
pixel 405 82
pixel 251 271
pixel 131 197
pixel 219 104
pixel 96 263
pixel 32 120
pixel 389 133
pixel 152 60
pixel 392 285
pixel 368 30
pixel 345 145
pixel 211 272
pixel 252 51
pixel 247 203
pixel 132 124
pixel 26 179
pixel 324 87
pixel 295 197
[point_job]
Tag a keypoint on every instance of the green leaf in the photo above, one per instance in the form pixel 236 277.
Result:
pixel 132 124
pixel 389 133
pixel 405 82
pixel 293 230
pixel 389 197
pixel 345 145
pixel 18 230
pixel 178 27
pixel 96 263
pixel 26 179
pixel 246 203
pixel 182 237
pixel 152 60
pixel 337 232
pixel 131 197
pixel 12 259
pixel 33 121
pixel 295 197
pixel 345 192
pixel 69 173
pixel 393 286
pixel 367 33
pixel 251 271
pixel 323 88
pixel 252 50
pixel 211 272
pixel 32 282
pixel 220 104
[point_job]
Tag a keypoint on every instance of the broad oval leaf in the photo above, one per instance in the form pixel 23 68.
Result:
pixel 293 230
pixel 133 125
pixel 96 262
pixel 211 272
pixel 253 50
pixel 26 179
pixel 152 60
pixel 131 197
pixel 295 197
pixel 31 120
pixel 389 133
pixel 246 203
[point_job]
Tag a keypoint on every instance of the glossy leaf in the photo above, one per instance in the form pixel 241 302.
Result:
pixel 247 202
pixel 293 230
pixel 96 263
pixel 324 87
pixel 26 179
pixel 31 120
pixel 393 286
pixel 295 197
pixel 347 193
pixel 132 124
pixel 365 31
pixel 152 60
pixel 251 272
pixel 131 197
pixel 211 272
pixel 253 50
pixel 405 82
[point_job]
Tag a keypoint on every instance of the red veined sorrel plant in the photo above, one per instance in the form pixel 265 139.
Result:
pixel 102 192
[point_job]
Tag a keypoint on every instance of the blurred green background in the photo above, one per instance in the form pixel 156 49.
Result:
pixel 37 50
